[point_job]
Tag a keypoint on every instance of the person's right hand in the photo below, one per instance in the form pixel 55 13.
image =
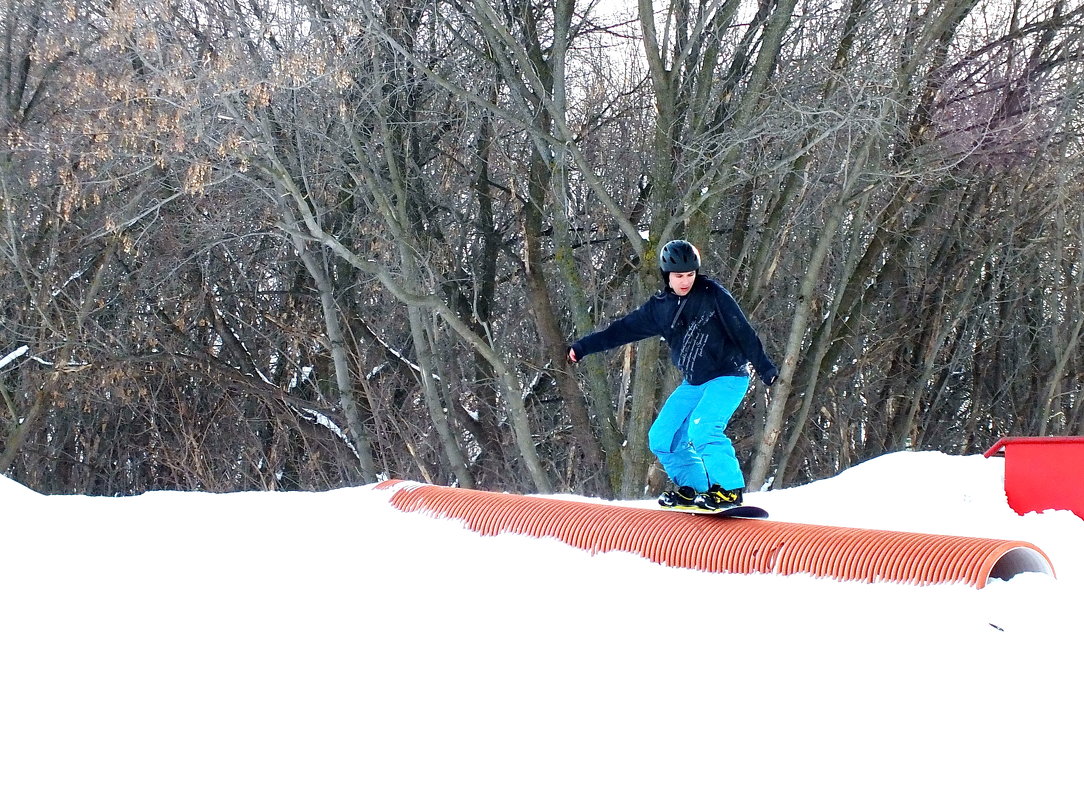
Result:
pixel 572 355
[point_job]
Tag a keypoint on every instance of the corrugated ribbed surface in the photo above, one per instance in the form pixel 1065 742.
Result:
pixel 730 545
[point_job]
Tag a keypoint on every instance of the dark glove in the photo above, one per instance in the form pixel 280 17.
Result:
pixel 770 378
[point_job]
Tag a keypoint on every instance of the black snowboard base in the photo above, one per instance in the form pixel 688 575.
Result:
pixel 732 511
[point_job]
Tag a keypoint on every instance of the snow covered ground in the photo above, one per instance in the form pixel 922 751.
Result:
pixel 325 646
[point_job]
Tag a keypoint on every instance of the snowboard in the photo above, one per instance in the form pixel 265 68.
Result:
pixel 733 511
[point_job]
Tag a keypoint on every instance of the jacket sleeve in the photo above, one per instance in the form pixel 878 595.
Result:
pixel 634 326
pixel 744 335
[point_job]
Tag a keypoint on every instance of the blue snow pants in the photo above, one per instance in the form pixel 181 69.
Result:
pixel 689 435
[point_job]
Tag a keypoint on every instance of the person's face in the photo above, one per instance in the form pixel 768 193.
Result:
pixel 681 283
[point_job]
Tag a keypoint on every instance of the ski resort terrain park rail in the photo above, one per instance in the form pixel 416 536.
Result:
pixel 731 545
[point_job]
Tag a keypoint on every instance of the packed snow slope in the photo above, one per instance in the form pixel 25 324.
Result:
pixel 325 646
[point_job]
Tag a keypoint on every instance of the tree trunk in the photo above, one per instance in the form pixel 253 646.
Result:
pixel 359 438
pixel 438 414
pixel 803 308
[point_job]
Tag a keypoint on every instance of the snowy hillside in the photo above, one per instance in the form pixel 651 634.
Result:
pixel 325 646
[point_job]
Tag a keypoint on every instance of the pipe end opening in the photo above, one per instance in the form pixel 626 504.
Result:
pixel 1020 560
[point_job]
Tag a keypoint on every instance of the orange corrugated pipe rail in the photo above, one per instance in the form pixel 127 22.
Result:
pixel 731 545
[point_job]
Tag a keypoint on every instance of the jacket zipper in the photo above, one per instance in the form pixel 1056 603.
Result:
pixel 681 305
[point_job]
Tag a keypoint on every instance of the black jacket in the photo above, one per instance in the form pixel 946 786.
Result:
pixel 708 334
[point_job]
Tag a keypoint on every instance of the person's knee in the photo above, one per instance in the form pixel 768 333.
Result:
pixel 659 442
pixel 708 434
pixel 665 439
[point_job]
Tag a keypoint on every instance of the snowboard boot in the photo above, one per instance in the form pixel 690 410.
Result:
pixel 679 498
pixel 717 498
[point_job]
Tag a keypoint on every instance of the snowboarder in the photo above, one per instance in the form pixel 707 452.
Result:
pixel 712 344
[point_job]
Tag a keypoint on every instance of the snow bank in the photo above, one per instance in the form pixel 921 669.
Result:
pixel 323 645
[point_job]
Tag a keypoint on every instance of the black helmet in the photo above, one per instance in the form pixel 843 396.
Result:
pixel 678 256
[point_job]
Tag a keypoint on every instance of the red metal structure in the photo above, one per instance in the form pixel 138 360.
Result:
pixel 1043 473
pixel 729 545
